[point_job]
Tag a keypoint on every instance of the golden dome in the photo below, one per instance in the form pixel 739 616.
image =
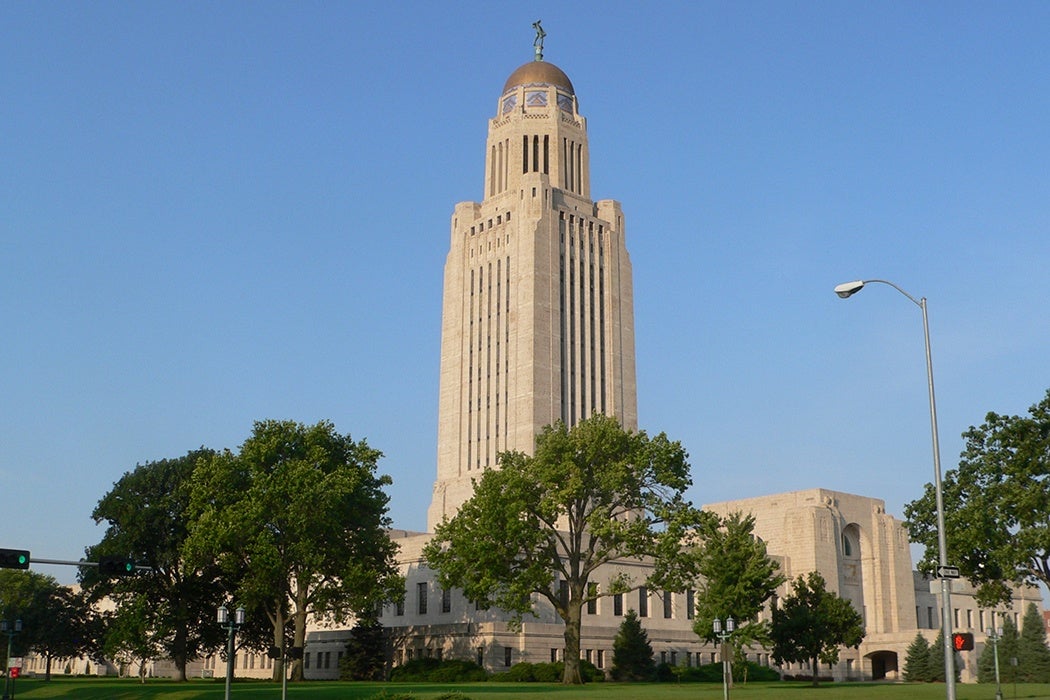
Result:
pixel 539 73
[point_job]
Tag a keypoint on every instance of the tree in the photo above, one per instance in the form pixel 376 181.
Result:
pixel 1033 656
pixel 543 525
pixel 130 637
pixel 300 516
pixel 738 577
pixel 917 661
pixel 1007 647
pixel 936 661
pixel 56 621
pixel 365 657
pixel 632 654
pixel 65 626
pixel 147 516
pixel 995 505
pixel 813 623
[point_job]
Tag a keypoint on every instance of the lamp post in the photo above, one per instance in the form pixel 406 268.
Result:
pixel 845 291
pixel 231 625
pixel 724 636
pixel 994 635
pixel 9 630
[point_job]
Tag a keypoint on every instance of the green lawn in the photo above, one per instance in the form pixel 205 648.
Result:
pixel 108 689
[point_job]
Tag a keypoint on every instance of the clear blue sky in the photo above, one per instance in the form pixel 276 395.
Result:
pixel 215 213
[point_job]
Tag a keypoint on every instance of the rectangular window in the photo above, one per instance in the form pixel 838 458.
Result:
pixel 399 608
pixel 554 655
pixel 563 593
pixel 618 605
pixel 663 657
pixel 668 600
pixel 592 602
pixel 674 658
pixel 506 656
pixel 306 660
pixel 929 618
pixel 600 662
pixel 955 617
pixel 421 598
pixel 446 600
pixel 643 602
pixel 690 604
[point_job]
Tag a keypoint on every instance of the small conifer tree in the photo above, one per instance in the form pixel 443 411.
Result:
pixel 632 654
pixel 917 662
pixel 1033 656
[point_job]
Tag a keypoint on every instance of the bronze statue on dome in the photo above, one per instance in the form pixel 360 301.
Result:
pixel 538 41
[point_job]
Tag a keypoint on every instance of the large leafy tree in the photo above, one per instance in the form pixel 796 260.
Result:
pixel 738 578
pixel 300 515
pixel 812 623
pixel 542 525
pixel 147 517
pixel 57 622
pixel 995 506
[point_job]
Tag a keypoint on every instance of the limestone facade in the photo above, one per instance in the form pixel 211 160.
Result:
pixel 537 315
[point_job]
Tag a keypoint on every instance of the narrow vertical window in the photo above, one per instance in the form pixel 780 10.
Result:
pixel 421 598
pixel 643 602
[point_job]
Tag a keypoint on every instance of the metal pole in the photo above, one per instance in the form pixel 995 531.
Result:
pixel 229 659
pixel 845 291
pixel 942 542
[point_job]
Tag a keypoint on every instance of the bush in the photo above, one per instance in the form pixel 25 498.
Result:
pixel 712 673
pixel 525 672
pixel 383 695
pixel 434 671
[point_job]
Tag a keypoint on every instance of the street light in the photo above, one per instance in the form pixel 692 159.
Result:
pixel 994 635
pixel 846 290
pixel 724 636
pixel 231 624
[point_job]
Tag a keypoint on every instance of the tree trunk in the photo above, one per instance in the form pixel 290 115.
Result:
pixel 571 654
pixel 47 668
pixel 278 641
pixel 816 671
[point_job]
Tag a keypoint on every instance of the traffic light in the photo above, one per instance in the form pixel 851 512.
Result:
pixel 115 565
pixel 962 641
pixel 14 559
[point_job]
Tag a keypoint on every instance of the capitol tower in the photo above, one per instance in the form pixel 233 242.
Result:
pixel 537 316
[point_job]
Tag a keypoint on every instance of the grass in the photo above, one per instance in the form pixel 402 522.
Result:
pixel 113 689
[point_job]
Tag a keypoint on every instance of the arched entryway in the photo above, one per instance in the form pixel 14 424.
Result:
pixel 883 665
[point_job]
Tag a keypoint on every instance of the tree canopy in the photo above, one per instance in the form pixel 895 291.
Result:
pixel 57 622
pixel 300 516
pixel 995 506
pixel 542 525
pixel 738 578
pixel 812 623
pixel 147 516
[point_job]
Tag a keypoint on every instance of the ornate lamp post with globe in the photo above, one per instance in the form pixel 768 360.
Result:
pixel 724 636
pixel 231 624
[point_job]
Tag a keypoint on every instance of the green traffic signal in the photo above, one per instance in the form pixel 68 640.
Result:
pixel 14 559
pixel 111 565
